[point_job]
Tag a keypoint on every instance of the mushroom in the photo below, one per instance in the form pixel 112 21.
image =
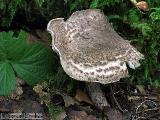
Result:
pixel 90 50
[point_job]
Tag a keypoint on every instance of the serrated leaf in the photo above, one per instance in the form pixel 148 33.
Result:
pixel 7 79
pixel 31 62
pixel 35 65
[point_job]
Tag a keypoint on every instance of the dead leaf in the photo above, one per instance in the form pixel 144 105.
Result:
pixel 40 36
pixel 7 105
pixel 79 115
pixel 43 36
pixel 114 114
pixel 39 90
pixel 31 38
pixel 44 96
pixel 61 116
pixel 141 89
pixel 82 97
pixel 68 100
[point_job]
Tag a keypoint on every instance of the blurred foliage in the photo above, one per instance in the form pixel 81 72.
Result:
pixel 141 28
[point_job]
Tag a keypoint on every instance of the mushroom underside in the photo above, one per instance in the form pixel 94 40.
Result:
pixel 111 72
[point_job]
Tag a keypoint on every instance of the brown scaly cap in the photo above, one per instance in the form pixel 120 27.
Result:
pixel 89 48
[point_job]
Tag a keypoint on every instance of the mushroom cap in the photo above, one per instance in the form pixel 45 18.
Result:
pixel 89 48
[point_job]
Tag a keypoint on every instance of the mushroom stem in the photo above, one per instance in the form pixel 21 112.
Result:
pixel 96 95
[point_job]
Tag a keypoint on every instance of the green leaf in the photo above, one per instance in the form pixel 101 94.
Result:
pixel 133 16
pixel 155 15
pixel 31 62
pixel 11 8
pixel 7 79
pixel 94 4
pixel 35 64
pixel 102 3
pixel 39 2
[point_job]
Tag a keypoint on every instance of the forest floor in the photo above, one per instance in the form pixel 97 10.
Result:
pixel 128 102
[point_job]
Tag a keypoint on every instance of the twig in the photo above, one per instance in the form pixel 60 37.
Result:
pixel 146 110
pixel 115 100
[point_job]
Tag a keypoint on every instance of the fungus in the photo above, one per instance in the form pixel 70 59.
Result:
pixel 90 50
